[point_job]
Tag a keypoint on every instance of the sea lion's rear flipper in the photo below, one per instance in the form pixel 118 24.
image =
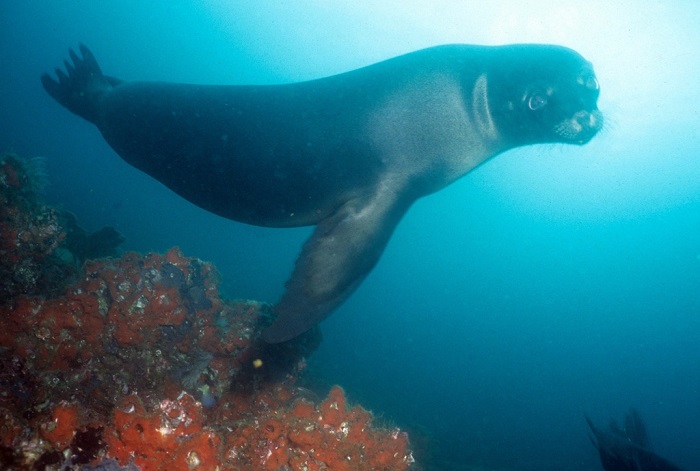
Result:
pixel 340 253
pixel 79 88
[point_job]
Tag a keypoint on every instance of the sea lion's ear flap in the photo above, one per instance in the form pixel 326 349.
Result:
pixel 340 253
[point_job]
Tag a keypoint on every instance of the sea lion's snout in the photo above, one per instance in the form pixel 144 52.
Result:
pixel 589 123
pixel 581 127
pixel 585 123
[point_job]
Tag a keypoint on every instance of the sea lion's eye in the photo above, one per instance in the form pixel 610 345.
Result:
pixel 536 102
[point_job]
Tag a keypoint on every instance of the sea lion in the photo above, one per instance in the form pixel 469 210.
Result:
pixel 627 448
pixel 348 153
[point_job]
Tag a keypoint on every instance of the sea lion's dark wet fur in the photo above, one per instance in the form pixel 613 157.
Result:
pixel 627 448
pixel 349 153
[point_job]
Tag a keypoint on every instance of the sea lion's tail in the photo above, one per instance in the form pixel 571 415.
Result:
pixel 81 87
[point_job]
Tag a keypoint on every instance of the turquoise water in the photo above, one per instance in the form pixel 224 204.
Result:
pixel 550 283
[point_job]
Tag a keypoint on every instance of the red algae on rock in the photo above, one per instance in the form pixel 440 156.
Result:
pixel 172 437
pixel 59 431
pixel 141 364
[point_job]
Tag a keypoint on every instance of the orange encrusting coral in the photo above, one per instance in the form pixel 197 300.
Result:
pixel 171 438
pixel 180 436
pixel 140 361
pixel 61 428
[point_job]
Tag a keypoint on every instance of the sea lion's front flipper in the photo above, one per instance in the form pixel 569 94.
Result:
pixel 340 253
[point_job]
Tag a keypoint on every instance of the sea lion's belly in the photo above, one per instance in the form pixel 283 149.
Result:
pixel 258 155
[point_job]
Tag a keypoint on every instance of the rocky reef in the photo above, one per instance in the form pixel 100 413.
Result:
pixel 136 362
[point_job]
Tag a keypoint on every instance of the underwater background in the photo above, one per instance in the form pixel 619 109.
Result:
pixel 552 282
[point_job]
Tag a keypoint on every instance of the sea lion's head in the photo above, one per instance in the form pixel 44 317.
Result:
pixel 542 93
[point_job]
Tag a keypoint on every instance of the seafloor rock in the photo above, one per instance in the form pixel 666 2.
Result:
pixel 30 233
pixel 140 365
pixel 41 248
